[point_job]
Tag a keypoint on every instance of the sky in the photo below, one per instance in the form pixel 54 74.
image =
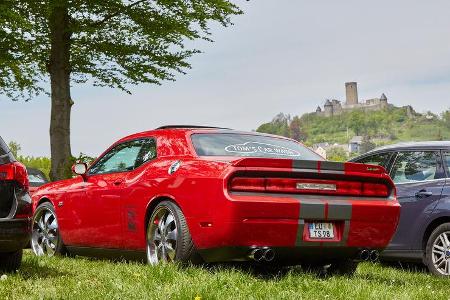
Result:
pixel 279 56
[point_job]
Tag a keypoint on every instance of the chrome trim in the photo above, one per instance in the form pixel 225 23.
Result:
pixel 422 181
pixel 316 186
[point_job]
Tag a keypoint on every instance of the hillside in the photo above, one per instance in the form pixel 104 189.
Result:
pixel 380 127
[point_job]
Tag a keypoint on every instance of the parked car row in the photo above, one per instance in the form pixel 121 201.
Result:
pixel 194 194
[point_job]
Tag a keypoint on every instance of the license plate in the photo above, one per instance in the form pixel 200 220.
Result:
pixel 321 230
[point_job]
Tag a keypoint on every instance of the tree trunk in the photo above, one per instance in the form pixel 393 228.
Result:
pixel 59 69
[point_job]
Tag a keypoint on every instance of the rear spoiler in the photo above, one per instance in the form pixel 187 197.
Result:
pixel 309 165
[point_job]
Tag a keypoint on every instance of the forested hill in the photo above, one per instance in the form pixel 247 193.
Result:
pixel 381 127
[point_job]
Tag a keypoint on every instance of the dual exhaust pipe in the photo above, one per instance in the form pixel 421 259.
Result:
pixel 369 255
pixel 262 254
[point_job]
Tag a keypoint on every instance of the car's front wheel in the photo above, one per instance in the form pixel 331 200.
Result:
pixel 45 237
pixel 437 256
pixel 9 262
pixel 168 236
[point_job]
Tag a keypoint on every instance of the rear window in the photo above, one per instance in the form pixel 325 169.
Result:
pixel 3 147
pixel 249 145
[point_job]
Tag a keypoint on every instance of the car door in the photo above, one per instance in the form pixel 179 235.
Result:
pixel 100 211
pixel 419 177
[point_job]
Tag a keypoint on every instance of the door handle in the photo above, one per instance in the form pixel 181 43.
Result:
pixel 424 194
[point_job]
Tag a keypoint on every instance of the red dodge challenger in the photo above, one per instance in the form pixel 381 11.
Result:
pixel 204 194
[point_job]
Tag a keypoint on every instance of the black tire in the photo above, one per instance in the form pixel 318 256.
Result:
pixel 10 262
pixel 185 252
pixel 346 267
pixel 60 248
pixel 441 229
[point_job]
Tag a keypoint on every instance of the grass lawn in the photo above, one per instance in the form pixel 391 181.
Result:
pixel 81 278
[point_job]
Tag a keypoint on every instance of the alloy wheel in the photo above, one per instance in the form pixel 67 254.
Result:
pixel 44 236
pixel 162 235
pixel 441 253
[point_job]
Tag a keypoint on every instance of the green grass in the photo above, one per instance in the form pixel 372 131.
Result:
pixel 81 278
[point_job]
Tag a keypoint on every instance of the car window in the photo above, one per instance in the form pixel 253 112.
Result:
pixel 447 162
pixel 36 178
pixel 250 145
pixel 125 157
pixel 379 159
pixel 416 166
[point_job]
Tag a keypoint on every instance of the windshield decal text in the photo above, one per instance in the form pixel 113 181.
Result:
pixel 255 147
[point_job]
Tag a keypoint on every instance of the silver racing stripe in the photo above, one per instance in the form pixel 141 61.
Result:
pixel 339 210
pixel 312 210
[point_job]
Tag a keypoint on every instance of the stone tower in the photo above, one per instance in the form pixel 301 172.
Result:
pixel 328 107
pixel 383 101
pixel 351 92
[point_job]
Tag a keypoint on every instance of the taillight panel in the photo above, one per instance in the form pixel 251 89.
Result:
pixel 15 171
pixel 309 186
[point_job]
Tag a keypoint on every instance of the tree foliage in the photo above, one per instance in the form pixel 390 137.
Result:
pixel 337 154
pixel 113 43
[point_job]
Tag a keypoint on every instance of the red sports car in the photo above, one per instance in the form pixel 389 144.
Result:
pixel 203 194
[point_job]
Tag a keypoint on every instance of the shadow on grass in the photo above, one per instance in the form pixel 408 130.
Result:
pixel 264 272
pixel 32 269
pixel 276 273
pixel 405 266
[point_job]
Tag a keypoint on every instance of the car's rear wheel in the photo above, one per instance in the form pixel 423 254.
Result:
pixel 45 237
pixel 168 236
pixel 9 262
pixel 437 256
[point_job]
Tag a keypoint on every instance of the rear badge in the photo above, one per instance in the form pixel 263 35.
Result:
pixel 174 167
pixel 316 186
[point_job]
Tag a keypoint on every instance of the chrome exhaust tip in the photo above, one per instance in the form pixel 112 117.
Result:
pixel 374 256
pixel 364 255
pixel 256 254
pixel 269 255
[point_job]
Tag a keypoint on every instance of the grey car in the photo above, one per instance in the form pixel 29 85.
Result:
pixel 421 173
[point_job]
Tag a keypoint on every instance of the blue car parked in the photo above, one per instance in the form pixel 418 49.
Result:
pixel 421 173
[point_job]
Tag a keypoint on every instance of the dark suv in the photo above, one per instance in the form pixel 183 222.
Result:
pixel 421 173
pixel 15 210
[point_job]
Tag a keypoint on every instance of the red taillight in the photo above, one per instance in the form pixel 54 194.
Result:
pixel 309 186
pixel 248 184
pixel 15 172
pixel 375 190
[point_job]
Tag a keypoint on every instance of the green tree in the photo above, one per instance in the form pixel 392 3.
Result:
pixel 446 118
pixel 336 154
pixel 15 148
pixel 366 145
pixel 114 43
pixel 295 130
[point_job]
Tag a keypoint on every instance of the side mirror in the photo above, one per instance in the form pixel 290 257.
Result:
pixel 80 169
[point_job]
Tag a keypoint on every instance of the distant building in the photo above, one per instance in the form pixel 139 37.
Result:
pixel 334 107
pixel 354 145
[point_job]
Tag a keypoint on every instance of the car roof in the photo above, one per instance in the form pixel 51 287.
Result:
pixel 414 145
pixel 183 129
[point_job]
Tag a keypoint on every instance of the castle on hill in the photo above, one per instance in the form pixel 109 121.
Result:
pixel 334 107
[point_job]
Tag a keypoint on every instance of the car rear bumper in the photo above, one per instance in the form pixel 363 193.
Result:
pixel 14 234
pixel 281 222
